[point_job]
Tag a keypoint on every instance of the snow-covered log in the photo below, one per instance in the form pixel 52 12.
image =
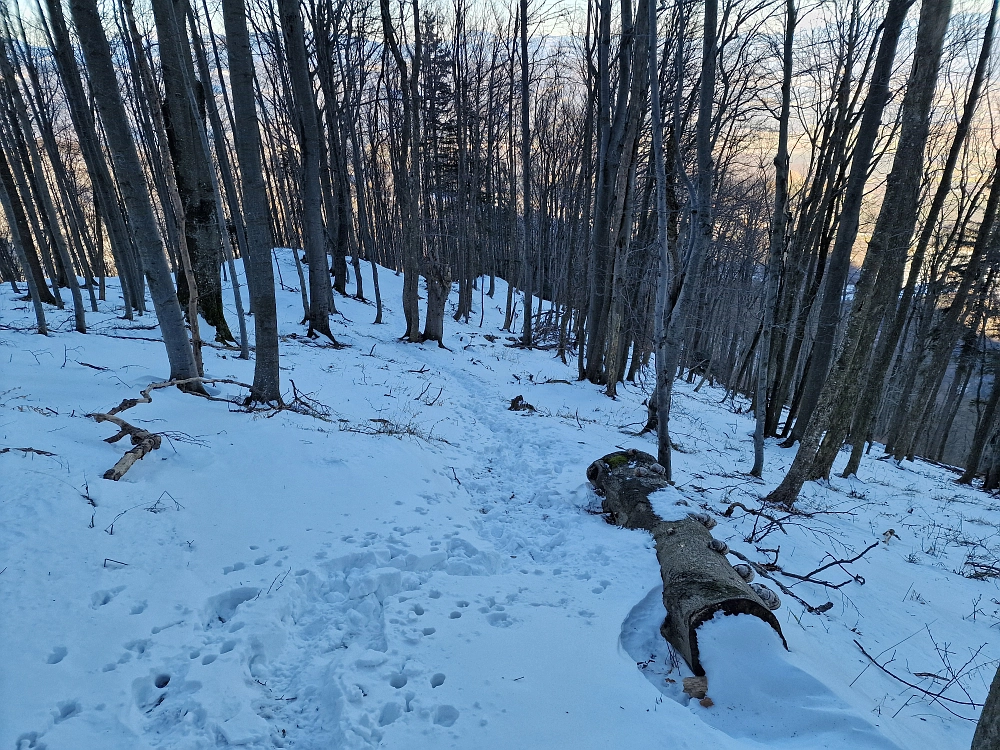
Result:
pixel 698 580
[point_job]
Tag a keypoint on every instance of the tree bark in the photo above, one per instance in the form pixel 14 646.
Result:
pixel 260 272
pixel 104 85
pixel 686 281
pixel 878 94
pixel 307 127
pixel 192 164
pixel 776 246
pixel 698 581
pixel 14 227
pixel 987 736
pixel 847 229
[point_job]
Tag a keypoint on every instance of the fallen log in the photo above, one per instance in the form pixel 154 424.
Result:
pixel 143 441
pixel 698 580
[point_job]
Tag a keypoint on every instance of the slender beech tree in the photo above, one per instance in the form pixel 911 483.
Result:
pixel 132 185
pixel 260 273
pixel 776 246
pixel 307 128
pixel 686 281
pixel 886 249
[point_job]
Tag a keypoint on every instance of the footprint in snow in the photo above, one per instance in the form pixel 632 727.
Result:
pixel 138 646
pixel 57 655
pixel 30 741
pixel 65 710
pixel 99 598
pixel 445 715
pixel 233 568
pixel 390 712
pixel 221 607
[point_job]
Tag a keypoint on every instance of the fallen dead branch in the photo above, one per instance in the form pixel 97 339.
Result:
pixel 936 696
pixel 756 534
pixel 765 573
pixel 27 450
pixel 144 441
pixel 808 577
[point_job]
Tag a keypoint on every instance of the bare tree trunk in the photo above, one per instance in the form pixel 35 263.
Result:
pixel 779 222
pixel 407 173
pixel 987 735
pixel 888 341
pixel 687 279
pixel 14 228
pixel 192 164
pixel 132 184
pixel 307 127
pixel 260 273
pixel 526 235
pixel 16 215
pixel 847 231
pixel 667 255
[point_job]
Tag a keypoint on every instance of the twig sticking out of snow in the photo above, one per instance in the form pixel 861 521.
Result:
pixel 935 696
pixel 27 450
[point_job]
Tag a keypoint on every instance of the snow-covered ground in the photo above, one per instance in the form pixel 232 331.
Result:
pixel 424 568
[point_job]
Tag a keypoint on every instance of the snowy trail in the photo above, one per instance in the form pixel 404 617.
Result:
pixel 301 584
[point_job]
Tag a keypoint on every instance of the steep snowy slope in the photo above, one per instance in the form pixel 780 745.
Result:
pixel 419 567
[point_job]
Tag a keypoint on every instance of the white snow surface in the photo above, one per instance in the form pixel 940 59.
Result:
pixel 426 569
pixel 670 505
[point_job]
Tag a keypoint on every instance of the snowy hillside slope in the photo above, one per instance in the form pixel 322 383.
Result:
pixel 424 568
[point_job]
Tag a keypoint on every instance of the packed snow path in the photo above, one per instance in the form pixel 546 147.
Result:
pixel 420 569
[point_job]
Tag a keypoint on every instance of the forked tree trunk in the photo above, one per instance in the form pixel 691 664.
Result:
pixel 16 215
pixel 822 353
pixel 16 102
pixel 698 580
pixel 15 233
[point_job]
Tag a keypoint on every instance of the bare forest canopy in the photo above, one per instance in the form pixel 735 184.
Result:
pixel 805 210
